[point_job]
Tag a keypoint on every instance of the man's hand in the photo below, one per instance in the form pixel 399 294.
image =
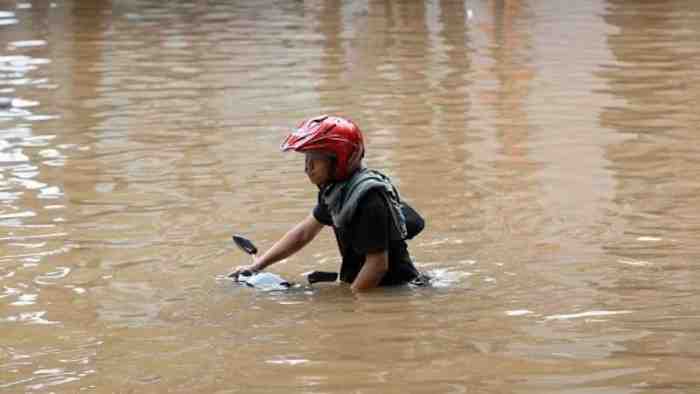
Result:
pixel 372 272
pixel 290 243
pixel 245 270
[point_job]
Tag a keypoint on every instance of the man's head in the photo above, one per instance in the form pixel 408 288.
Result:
pixel 334 147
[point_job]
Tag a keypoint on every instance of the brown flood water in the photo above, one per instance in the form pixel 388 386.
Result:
pixel 552 146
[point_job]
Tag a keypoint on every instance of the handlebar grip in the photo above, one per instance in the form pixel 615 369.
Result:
pixel 321 276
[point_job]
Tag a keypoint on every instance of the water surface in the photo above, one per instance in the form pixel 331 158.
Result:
pixel 553 149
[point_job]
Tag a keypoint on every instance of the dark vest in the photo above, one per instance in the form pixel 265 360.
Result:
pixel 342 199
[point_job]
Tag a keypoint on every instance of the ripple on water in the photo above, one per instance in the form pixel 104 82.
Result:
pixel 16 215
pixel 25 299
pixel 50 193
pixel 281 360
pixel 15 155
pixel 26 44
pixel 48 365
pixel 519 312
pixel 53 276
pixel 21 103
pixel 21 64
pixel 35 256
pixel 586 314
pixel 30 318
pixel 443 277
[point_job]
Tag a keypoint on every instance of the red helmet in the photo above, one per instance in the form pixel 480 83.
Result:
pixel 330 134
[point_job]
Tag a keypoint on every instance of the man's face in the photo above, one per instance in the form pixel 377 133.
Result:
pixel 318 168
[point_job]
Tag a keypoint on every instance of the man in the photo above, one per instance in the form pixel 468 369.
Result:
pixel 370 221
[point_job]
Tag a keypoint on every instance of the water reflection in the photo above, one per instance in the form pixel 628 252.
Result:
pixel 509 36
pixel 657 122
pixel 32 214
pixel 26 184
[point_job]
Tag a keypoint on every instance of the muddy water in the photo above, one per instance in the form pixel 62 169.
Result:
pixel 552 148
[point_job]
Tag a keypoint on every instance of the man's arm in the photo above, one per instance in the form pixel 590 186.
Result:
pixel 295 239
pixel 372 272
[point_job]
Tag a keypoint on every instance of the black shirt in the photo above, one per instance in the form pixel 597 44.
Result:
pixel 369 232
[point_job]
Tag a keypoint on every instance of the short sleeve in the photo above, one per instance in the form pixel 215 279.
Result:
pixel 371 224
pixel 321 212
